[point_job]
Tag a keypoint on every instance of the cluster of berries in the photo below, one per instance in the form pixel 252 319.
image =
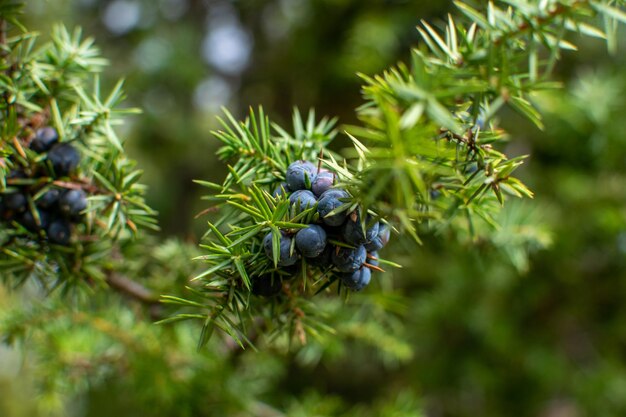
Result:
pixel 338 241
pixel 44 207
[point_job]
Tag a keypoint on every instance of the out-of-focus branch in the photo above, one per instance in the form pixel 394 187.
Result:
pixel 131 288
pixel 3 32
pixel 136 291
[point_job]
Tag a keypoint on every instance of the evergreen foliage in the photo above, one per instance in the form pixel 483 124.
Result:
pixel 427 155
pixel 56 86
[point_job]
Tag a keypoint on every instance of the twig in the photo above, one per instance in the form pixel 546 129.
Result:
pixel 3 35
pixel 559 10
pixel 137 292
pixel 131 288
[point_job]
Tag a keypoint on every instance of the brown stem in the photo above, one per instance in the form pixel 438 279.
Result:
pixel 469 141
pixel 320 159
pixel 524 26
pixel 374 267
pixel 131 288
pixel 137 292
pixel 3 33
pixel 3 51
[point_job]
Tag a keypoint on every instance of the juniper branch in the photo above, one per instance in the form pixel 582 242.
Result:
pixel 3 36
pixel 131 288
pixel 425 154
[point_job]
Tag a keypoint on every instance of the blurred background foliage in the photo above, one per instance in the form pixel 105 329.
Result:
pixel 459 331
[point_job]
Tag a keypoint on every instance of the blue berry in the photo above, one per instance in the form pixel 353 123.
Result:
pixel 328 202
pixel 348 259
pixel 73 202
pixel 27 219
pixel 300 174
pixel 59 231
pixel 50 198
pixel 44 140
pixel 434 194
pixel 64 159
pixel 358 279
pixel 16 202
pixel 311 241
pixel 302 199
pixel 323 260
pixel 470 169
pixel 281 189
pixel 310 166
pixel 353 231
pixel 335 192
pixel 285 257
pixel 322 182
pixel 380 240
